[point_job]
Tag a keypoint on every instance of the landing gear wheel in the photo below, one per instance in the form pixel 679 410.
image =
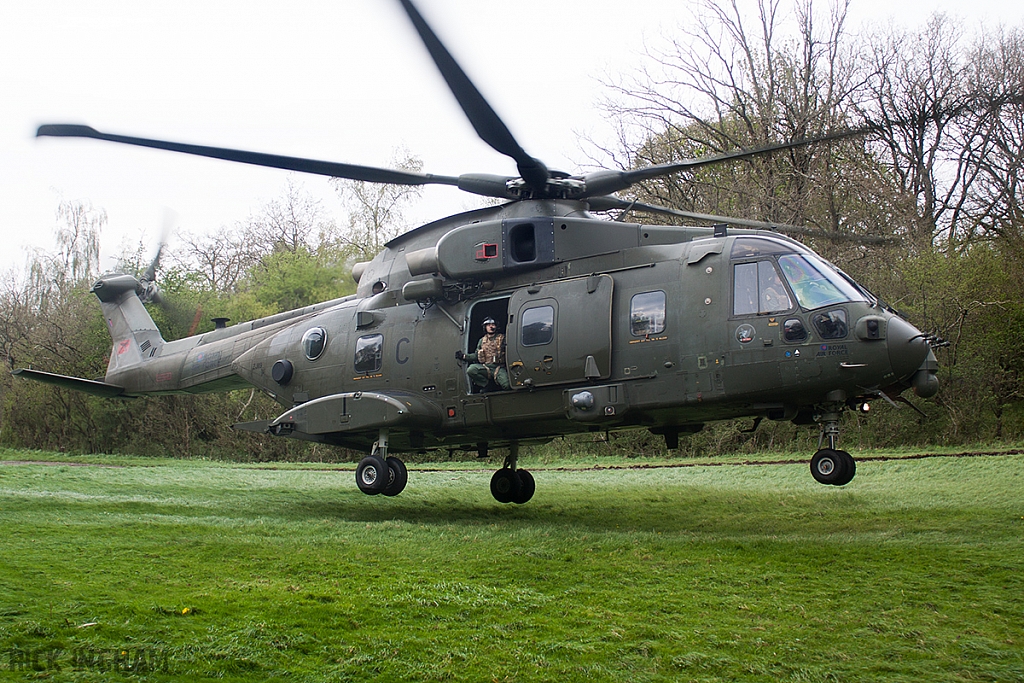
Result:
pixel 829 467
pixel 505 485
pixel 849 468
pixel 372 475
pixel 526 487
pixel 398 477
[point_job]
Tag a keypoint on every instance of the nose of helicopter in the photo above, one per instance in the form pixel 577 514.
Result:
pixel 908 348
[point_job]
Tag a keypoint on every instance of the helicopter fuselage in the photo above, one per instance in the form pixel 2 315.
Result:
pixel 608 325
pixel 665 328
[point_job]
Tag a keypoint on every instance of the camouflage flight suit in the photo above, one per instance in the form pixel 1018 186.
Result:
pixel 488 362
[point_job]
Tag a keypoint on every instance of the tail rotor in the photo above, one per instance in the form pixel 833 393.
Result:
pixel 148 291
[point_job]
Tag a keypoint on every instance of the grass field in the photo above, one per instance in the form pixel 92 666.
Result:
pixel 162 570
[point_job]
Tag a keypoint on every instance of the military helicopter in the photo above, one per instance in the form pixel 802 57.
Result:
pixel 607 325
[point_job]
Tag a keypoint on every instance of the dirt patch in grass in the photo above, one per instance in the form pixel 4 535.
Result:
pixel 638 466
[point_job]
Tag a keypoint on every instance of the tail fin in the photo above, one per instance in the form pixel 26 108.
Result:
pixel 136 337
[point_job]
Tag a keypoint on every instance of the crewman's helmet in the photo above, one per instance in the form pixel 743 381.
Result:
pixel 488 321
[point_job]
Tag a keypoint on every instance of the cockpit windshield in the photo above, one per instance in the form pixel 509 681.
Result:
pixel 815 283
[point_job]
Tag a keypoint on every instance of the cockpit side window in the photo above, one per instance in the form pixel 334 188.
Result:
pixel 815 284
pixel 758 289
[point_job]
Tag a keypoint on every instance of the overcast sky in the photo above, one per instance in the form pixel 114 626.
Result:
pixel 336 80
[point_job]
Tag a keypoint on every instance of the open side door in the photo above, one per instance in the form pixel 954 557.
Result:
pixel 560 332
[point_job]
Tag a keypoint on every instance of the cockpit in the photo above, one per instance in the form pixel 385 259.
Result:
pixel 774 276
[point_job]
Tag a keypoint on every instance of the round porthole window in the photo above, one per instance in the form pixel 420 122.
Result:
pixel 313 342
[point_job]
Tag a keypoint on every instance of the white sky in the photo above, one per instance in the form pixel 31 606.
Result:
pixel 327 79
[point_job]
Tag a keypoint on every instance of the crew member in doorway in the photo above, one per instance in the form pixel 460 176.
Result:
pixel 488 363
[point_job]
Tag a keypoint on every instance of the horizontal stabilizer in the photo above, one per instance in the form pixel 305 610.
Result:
pixel 88 386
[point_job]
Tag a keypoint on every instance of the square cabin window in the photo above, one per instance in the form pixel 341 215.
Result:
pixel 647 314
pixel 538 326
pixel 369 352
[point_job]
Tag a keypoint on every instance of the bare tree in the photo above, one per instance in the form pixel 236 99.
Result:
pixel 221 262
pixel 948 116
pixel 732 80
pixel 217 262
pixel 42 314
pixel 293 222
pixel 918 91
pixel 376 209
pixel 15 318
pixel 77 257
pixel 995 208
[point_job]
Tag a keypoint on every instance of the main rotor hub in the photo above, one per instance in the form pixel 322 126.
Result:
pixel 554 188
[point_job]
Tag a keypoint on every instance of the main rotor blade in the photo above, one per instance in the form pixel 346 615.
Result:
pixel 485 120
pixel 368 174
pixel 611 203
pixel 607 182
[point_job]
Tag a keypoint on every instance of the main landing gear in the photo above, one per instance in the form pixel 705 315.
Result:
pixel 831 465
pixel 381 473
pixel 511 485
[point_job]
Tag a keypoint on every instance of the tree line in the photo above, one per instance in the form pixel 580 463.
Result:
pixel 924 209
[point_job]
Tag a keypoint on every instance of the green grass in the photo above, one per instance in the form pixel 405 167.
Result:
pixel 913 572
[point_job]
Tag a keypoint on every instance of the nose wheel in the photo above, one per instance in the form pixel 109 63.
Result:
pixel 833 467
pixel 829 465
